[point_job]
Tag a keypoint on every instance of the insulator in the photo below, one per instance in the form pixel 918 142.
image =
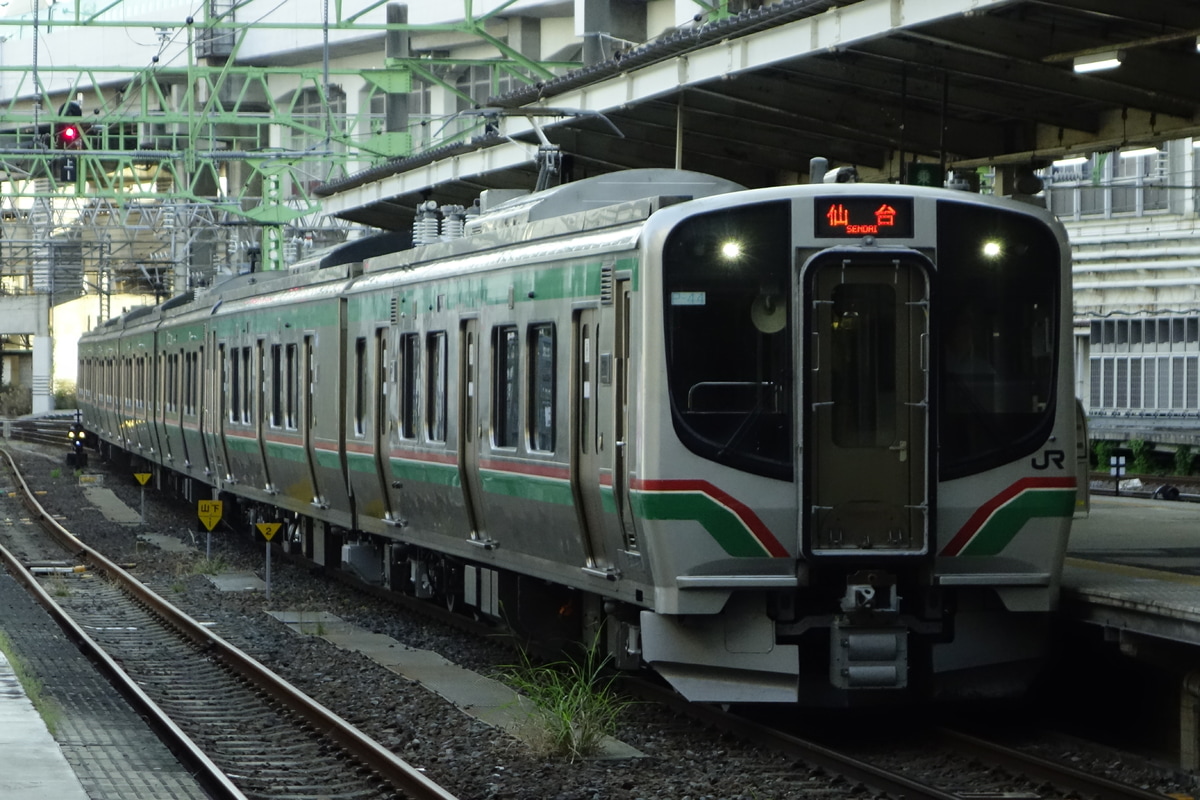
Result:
pixel 425 225
pixel 453 222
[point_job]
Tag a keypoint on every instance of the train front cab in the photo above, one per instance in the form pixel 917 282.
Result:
pixel 932 489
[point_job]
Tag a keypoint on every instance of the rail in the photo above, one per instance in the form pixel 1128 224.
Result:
pixel 39 430
pixel 394 770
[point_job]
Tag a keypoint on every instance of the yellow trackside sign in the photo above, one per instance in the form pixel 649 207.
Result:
pixel 210 512
pixel 268 529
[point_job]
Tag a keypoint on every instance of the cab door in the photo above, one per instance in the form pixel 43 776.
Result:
pixel 866 432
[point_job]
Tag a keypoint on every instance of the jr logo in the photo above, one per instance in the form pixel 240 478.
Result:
pixel 1055 457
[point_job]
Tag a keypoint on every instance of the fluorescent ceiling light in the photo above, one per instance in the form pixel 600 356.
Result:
pixel 1071 161
pixel 1141 151
pixel 1110 59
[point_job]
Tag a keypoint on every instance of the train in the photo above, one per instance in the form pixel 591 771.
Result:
pixel 806 444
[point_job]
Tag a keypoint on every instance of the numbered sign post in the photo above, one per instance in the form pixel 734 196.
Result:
pixel 1116 468
pixel 268 530
pixel 143 478
pixel 210 514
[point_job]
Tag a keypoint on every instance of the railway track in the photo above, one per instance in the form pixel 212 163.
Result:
pixel 933 763
pixel 248 733
pixel 941 765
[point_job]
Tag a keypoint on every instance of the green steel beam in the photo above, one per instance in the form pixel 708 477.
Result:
pixel 175 152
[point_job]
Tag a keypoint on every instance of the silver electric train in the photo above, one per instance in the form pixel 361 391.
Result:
pixel 806 444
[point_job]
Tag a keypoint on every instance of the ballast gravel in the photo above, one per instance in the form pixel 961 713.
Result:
pixel 681 760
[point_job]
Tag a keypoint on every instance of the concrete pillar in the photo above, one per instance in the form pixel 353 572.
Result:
pixel 525 36
pixel 397 44
pixel 43 374
pixel 605 24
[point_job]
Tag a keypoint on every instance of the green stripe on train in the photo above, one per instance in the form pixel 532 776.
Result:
pixel 542 490
pixel 1003 526
pixel 239 445
pixel 720 522
pixel 425 472
pixel 285 451
pixel 564 282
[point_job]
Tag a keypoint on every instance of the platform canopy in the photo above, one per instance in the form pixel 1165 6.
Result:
pixel 873 83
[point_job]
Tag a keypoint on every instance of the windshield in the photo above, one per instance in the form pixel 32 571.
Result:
pixel 728 335
pixel 997 296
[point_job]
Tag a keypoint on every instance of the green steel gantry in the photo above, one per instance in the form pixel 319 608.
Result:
pixel 197 161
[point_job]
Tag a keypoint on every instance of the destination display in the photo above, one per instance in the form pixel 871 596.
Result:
pixel 847 216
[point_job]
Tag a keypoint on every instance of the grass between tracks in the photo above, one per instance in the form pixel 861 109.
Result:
pixel 574 704
pixel 46 707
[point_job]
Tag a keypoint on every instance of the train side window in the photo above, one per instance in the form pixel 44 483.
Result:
pixel 276 386
pixel 235 385
pixel 167 378
pixel 247 387
pixel 506 393
pixel 291 389
pixel 435 421
pixel 360 385
pixel 541 387
pixel 410 384
pixel 197 375
pixel 188 377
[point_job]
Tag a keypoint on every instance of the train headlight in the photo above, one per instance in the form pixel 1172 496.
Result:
pixel 731 250
pixel 992 249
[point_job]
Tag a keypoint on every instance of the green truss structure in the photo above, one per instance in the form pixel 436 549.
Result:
pixel 198 162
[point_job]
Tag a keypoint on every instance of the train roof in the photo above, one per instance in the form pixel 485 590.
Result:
pixel 601 191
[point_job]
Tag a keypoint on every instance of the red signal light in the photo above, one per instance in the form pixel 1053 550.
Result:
pixel 69 134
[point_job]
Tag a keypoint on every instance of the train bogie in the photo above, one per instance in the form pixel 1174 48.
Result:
pixel 798 444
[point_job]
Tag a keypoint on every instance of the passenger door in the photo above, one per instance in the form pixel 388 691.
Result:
pixel 215 409
pixel 866 431
pixel 471 429
pixel 588 440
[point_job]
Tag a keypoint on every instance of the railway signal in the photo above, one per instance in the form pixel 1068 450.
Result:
pixel 68 135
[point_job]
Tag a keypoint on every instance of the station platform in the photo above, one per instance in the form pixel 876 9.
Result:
pixel 33 764
pixel 1133 571
pixel 1133 566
